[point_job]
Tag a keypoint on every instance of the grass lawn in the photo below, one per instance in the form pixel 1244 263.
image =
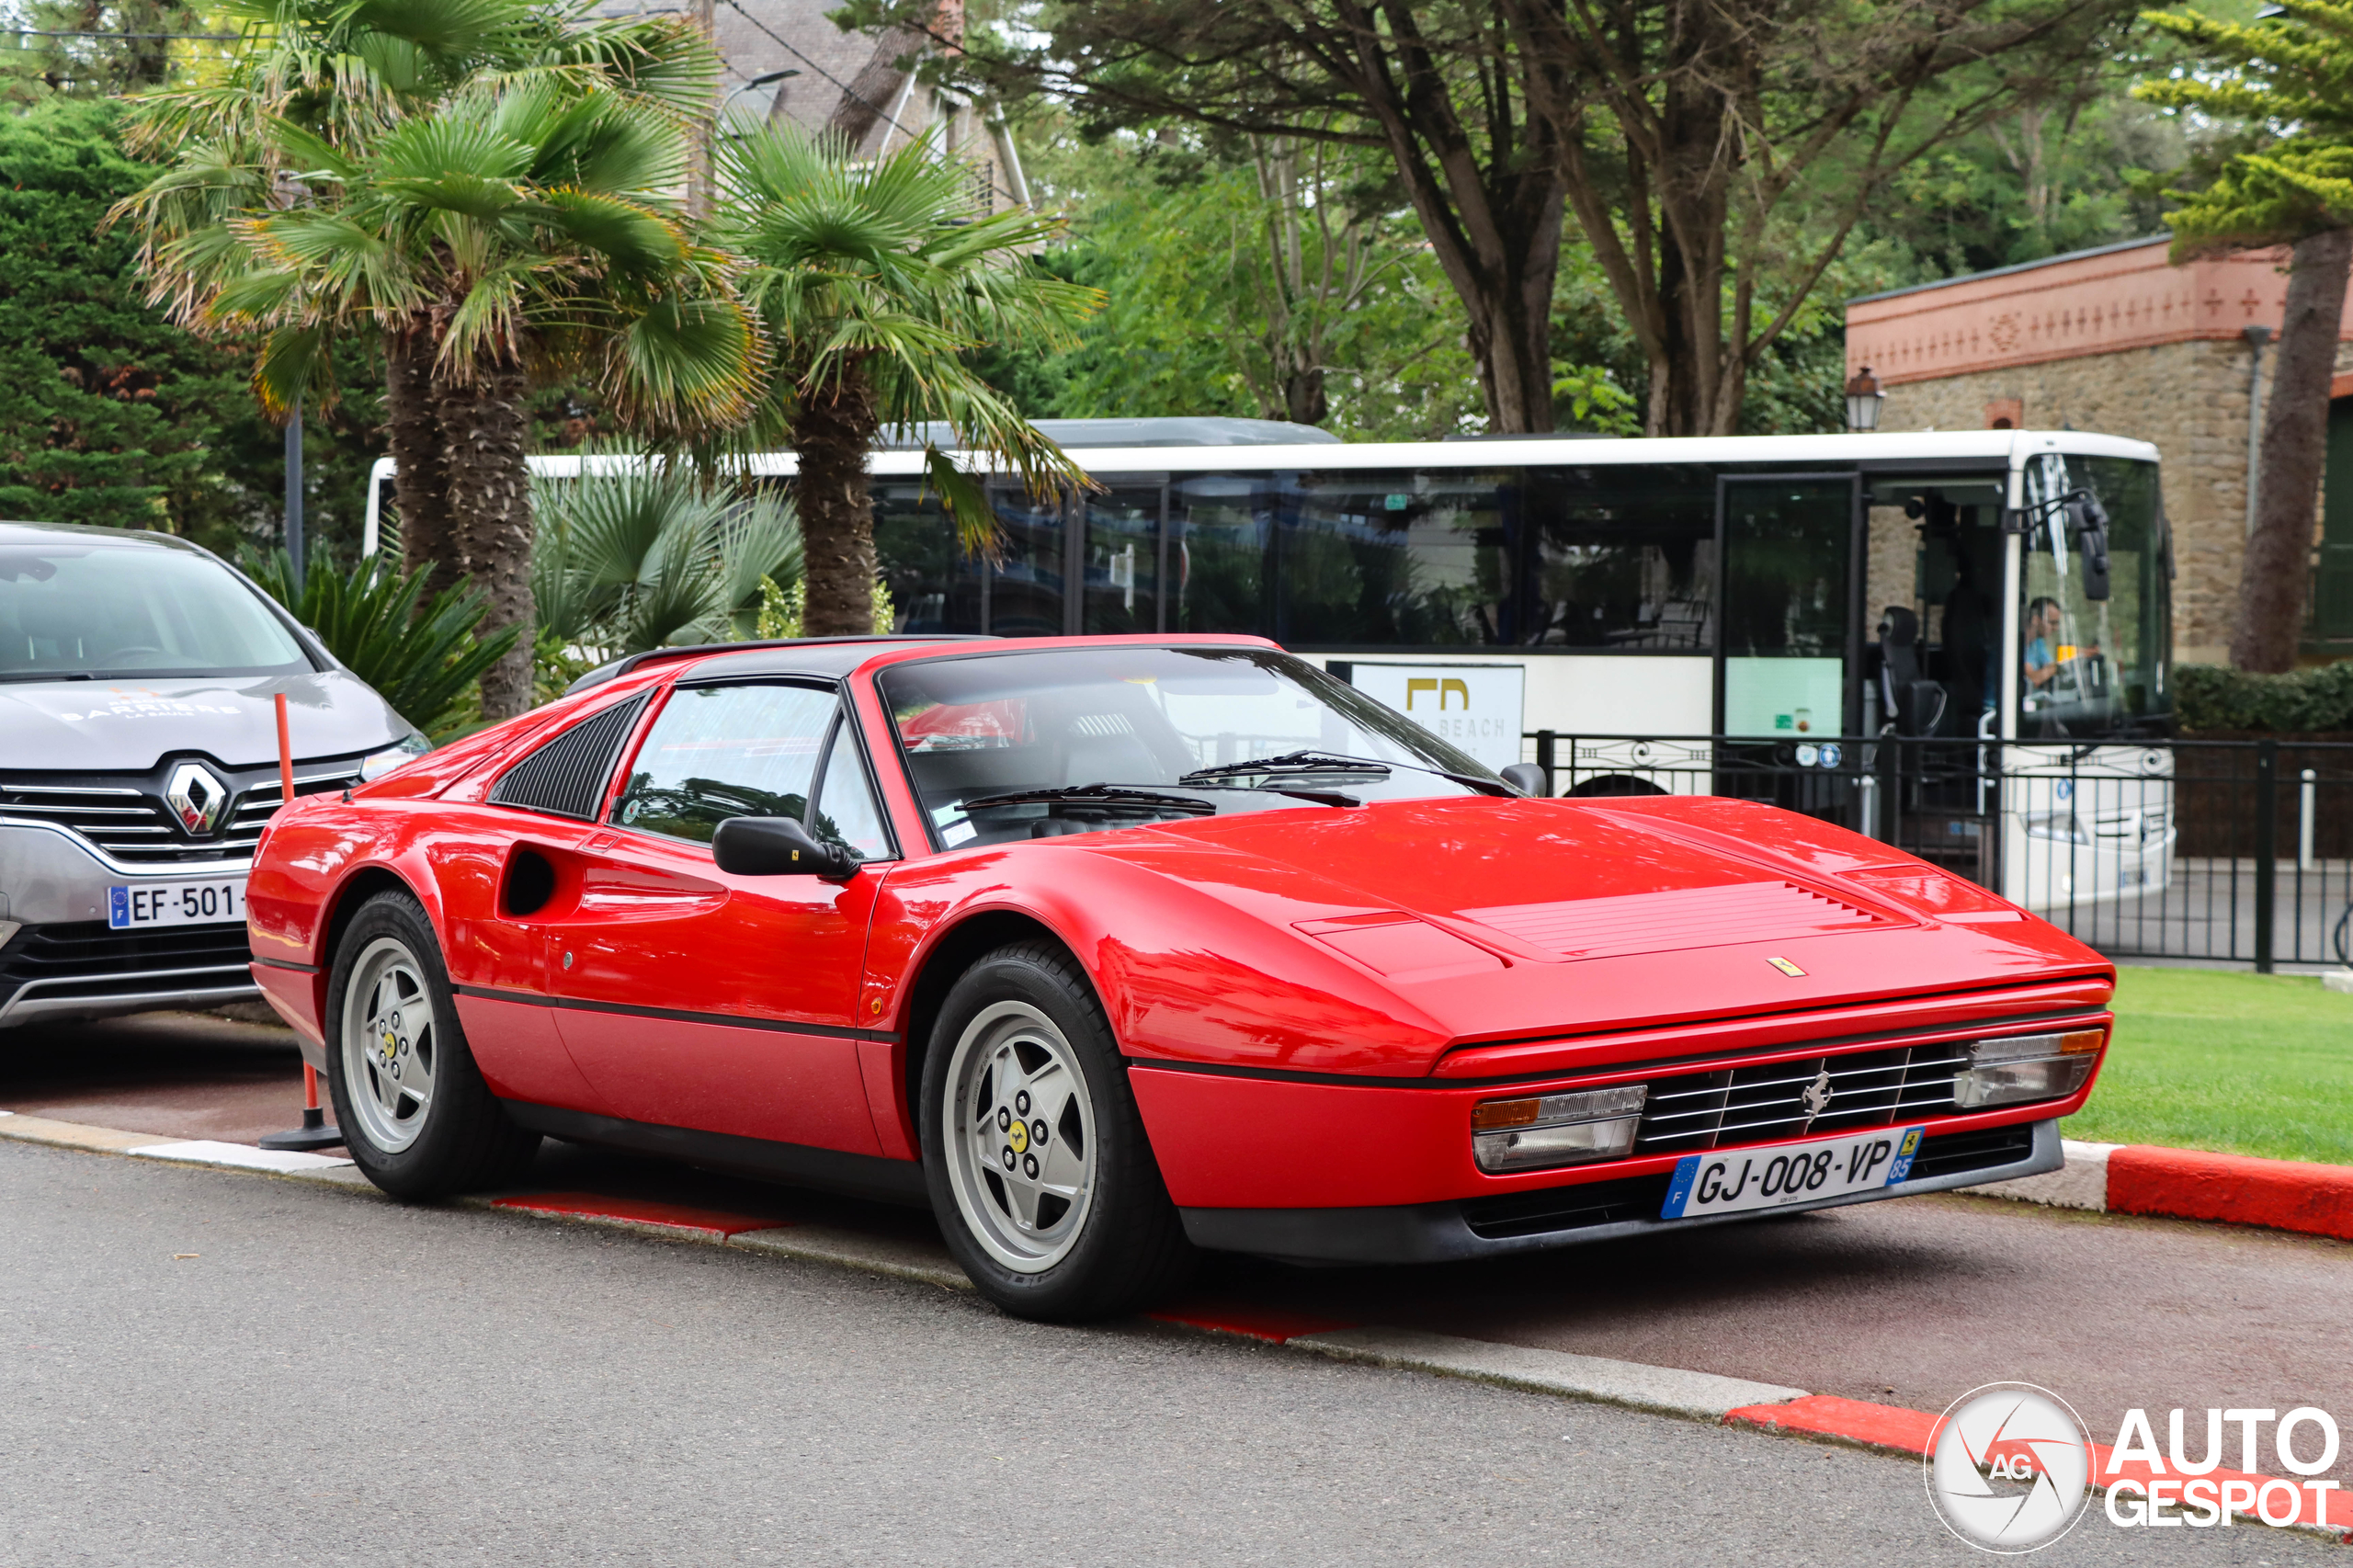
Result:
pixel 2238 1063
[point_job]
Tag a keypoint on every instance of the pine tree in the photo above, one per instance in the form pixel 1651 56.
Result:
pixel 2289 79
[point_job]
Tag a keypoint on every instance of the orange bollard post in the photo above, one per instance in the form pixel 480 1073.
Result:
pixel 315 1133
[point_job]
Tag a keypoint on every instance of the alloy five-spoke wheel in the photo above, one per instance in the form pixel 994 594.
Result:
pixel 1040 1170
pixel 416 1115
pixel 1021 1139
pixel 389 1044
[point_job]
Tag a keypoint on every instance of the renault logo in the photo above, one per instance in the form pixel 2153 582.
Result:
pixel 196 798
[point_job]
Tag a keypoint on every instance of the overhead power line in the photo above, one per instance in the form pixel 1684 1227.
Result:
pixel 37 32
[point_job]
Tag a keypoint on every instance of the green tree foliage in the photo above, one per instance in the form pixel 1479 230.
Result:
pixel 2208 697
pixel 633 557
pixel 1327 308
pixel 2288 80
pixel 109 412
pixel 422 655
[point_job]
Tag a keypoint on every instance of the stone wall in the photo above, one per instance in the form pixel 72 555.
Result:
pixel 2189 400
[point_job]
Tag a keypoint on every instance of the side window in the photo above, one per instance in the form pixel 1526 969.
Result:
pixel 726 751
pixel 847 811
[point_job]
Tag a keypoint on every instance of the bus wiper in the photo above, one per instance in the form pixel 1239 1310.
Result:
pixel 1334 762
pixel 1112 796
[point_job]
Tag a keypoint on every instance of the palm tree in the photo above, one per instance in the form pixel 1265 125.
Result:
pixel 874 281
pixel 319 89
pixel 518 230
pixel 642 556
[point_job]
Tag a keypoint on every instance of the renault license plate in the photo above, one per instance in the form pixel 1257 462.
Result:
pixel 1782 1173
pixel 143 906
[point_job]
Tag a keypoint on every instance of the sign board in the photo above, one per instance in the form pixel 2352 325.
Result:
pixel 1475 707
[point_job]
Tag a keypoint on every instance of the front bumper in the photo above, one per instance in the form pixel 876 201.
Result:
pixel 66 963
pixel 1571 1216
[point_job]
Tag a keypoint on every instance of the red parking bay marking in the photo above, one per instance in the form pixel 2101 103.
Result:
pixel 1271 1324
pixel 714 1223
pixel 1854 1420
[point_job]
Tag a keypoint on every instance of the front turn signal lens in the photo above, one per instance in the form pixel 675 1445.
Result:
pixel 2019 1068
pixel 1556 1130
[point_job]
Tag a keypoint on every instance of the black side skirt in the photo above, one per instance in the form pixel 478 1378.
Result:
pixel 860 1176
pixel 1569 1216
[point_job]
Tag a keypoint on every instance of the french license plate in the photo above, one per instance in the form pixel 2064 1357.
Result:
pixel 1780 1174
pixel 144 906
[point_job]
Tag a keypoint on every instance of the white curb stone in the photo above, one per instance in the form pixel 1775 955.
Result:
pixel 928 1264
pixel 2338 980
pixel 2082 1184
pixel 1664 1390
pixel 204 1152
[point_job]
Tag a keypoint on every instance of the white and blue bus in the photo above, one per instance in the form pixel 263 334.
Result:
pixel 1655 605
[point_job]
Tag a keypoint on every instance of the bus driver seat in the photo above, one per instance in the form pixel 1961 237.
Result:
pixel 1916 704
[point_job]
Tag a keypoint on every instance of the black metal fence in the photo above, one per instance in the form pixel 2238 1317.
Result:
pixel 2233 851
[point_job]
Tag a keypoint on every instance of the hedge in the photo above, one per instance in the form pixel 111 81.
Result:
pixel 2313 702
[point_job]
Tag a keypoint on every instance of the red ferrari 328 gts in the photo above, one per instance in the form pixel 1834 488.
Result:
pixel 1111 948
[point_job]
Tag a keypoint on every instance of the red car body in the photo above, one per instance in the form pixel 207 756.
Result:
pixel 1310 1004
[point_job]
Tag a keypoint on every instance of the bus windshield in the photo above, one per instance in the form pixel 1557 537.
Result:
pixel 2091 657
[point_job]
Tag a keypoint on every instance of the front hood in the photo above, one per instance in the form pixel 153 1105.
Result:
pixel 1501 919
pixel 97 726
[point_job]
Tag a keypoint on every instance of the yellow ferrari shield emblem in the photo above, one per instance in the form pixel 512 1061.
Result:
pixel 1018 1136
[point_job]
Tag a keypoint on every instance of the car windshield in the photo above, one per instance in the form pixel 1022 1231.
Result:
pixel 2092 655
pixel 73 610
pixel 1162 730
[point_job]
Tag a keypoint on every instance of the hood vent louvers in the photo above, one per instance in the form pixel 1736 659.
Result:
pixel 566 777
pixel 1675 920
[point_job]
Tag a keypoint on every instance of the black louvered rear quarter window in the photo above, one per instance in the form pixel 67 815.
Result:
pixel 566 777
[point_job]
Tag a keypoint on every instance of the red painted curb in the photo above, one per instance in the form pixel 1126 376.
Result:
pixel 639 1211
pixel 2285 1195
pixel 1825 1415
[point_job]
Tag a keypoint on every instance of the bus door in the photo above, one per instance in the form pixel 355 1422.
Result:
pixel 1787 660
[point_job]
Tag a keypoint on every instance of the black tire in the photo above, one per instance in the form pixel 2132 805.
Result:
pixel 1119 1248
pixel 460 1139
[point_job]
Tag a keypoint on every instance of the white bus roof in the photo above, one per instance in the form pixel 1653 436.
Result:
pixel 2006 447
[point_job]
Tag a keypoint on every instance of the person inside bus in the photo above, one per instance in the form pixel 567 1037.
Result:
pixel 2044 652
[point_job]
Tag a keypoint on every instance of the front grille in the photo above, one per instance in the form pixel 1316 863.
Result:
pixel 1567 1208
pixel 124 814
pixel 89 960
pixel 1556 1209
pixel 1767 1102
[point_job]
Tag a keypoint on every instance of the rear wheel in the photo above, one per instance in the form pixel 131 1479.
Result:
pixel 1039 1172
pixel 417 1116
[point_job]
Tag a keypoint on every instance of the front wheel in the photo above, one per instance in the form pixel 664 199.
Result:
pixel 417 1116
pixel 1039 1172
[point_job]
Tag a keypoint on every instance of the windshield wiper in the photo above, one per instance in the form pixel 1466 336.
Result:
pixel 1295 762
pixel 1113 796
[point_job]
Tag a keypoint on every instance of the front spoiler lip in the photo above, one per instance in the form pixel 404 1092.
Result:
pixel 1437 1232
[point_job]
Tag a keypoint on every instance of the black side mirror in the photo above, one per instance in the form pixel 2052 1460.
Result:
pixel 778 847
pixel 1526 777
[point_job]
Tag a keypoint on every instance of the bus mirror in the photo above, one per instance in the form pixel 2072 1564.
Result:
pixel 2087 524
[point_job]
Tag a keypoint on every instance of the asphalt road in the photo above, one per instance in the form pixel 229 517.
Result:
pixel 205 1368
